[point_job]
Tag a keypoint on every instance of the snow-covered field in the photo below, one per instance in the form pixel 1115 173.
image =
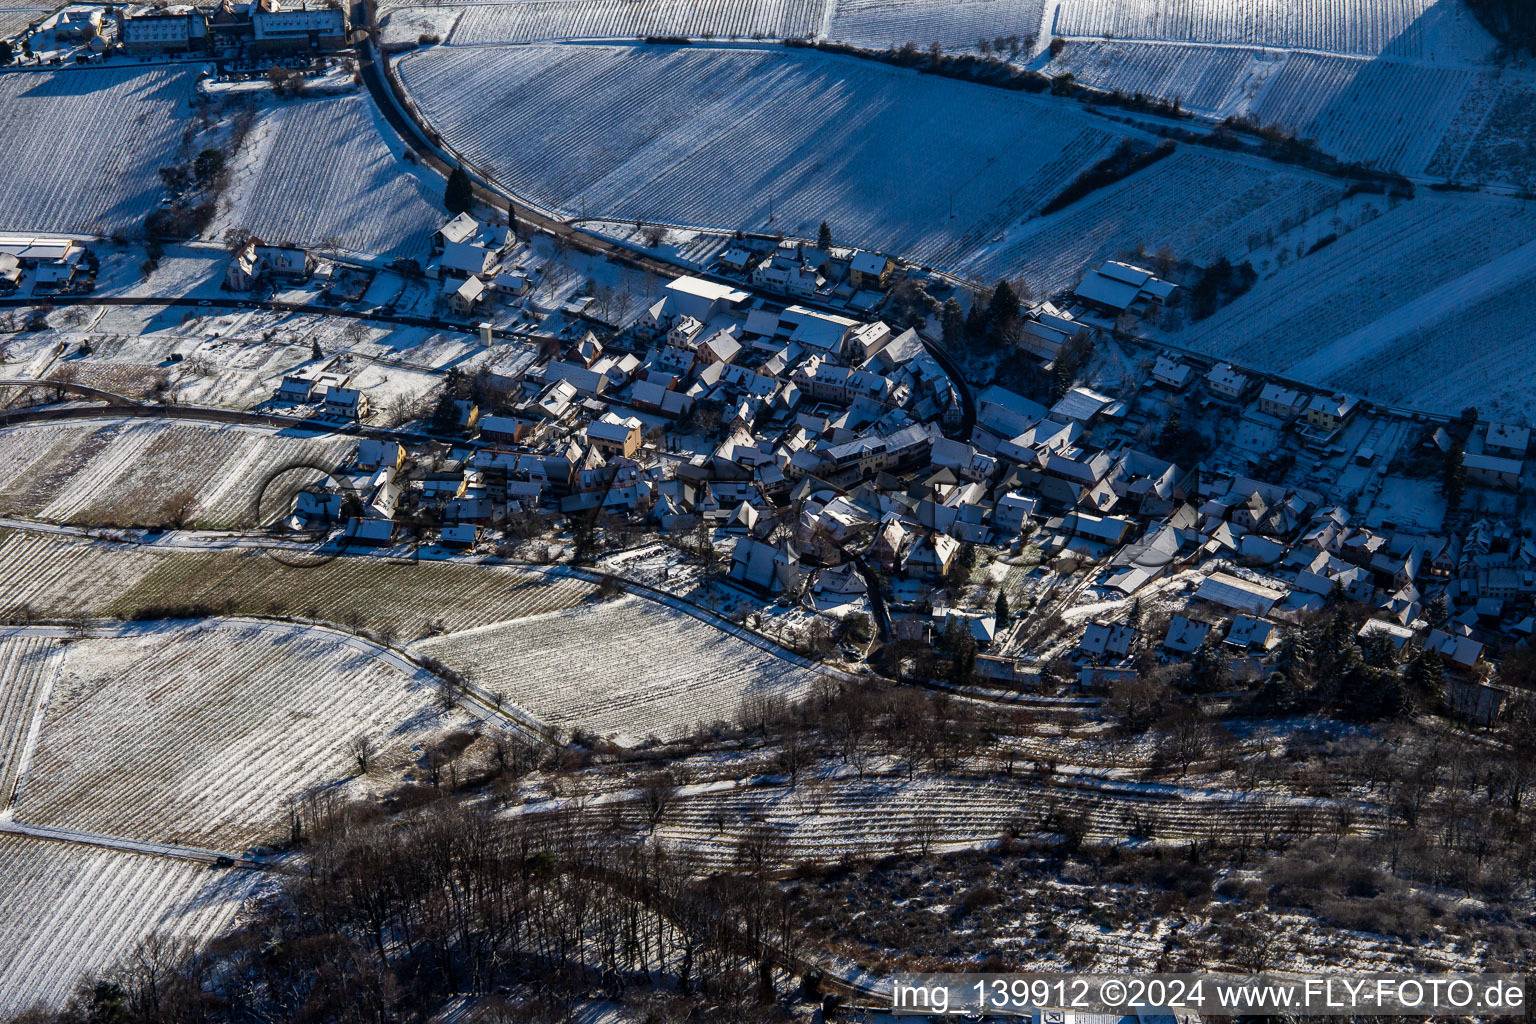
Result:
pixel 121 125
pixel 711 136
pixel 28 665
pixel 319 172
pixel 1390 308
pixel 634 19
pixel 199 735
pixel 73 910
pixel 1197 203
pixel 133 472
pixel 961 24
pixel 1414 117
pixel 630 668
pixel 1407 28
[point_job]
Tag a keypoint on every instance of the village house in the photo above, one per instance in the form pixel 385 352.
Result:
pixel 614 435
pixel 870 271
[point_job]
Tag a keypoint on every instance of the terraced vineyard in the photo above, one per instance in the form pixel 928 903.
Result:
pixel 882 23
pixel 626 19
pixel 871 817
pixel 318 172
pixel 63 576
pixel 73 910
pixel 631 668
pixel 27 668
pixel 713 136
pixel 123 124
pixel 198 735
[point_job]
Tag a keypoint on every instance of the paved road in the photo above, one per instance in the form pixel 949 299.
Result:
pixel 214 305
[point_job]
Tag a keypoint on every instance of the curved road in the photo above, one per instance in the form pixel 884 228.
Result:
pixel 380 87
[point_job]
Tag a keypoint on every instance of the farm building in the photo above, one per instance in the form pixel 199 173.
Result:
pixel 1115 287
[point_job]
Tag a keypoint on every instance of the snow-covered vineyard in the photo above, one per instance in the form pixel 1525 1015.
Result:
pixel 60 576
pixel 72 910
pixel 319 172
pixel 1408 28
pixel 122 124
pixel 199 734
pixel 1415 118
pixel 1198 204
pixel 1417 269
pixel 715 136
pixel 882 23
pixel 625 19
pixel 630 668
pixel 28 665
pixel 144 471
pixel 869 817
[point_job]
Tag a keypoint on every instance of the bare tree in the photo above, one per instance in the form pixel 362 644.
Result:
pixel 362 750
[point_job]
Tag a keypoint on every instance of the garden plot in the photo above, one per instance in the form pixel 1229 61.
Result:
pixel 630 668
pixel 533 20
pixel 28 665
pixel 1434 29
pixel 76 910
pixel 883 23
pixel 123 126
pixel 318 173
pixel 713 136
pixel 199 735
pixel 1198 204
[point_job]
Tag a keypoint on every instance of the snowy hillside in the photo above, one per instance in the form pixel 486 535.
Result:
pixel 876 151
pixel 320 171
pixel 1404 28
pixel 83 147
pixel 1389 308
pixel 1416 118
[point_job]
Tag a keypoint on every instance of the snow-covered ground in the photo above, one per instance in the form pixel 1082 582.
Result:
pixel 201 734
pixel 73 910
pixel 134 472
pixel 121 125
pixel 28 667
pixel 715 136
pixel 630 668
pixel 1435 29
pixel 1388 308
pixel 327 172
pixel 1426 119
pixel 954 25
pixel 628 19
